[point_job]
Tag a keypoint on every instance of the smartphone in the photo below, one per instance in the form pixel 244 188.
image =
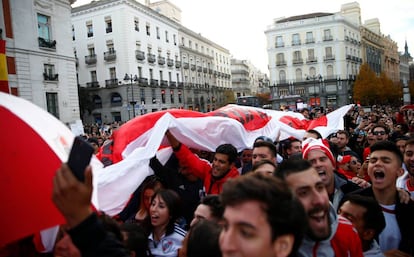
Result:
pixel 79 157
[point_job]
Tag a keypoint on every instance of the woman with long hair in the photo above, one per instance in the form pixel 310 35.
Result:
pixel 166 236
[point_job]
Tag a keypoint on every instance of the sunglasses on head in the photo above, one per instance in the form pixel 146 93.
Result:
pixel 376 133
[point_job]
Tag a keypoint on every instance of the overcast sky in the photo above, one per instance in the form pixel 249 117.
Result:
pixel 239 25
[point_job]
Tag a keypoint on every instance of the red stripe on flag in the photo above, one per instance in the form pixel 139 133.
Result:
pixel 27 167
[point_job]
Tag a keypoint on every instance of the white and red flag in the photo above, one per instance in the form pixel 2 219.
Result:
pixel 34 144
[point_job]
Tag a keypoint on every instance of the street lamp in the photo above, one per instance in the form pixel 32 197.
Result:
pixel 314 78
pixel 131 79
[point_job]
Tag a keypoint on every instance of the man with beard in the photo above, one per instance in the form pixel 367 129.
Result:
pixel 327 234
pixel 406 181
pixel 318 153
pixel 384 167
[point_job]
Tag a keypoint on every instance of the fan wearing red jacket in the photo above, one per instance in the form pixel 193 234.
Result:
pixel 327 234
pixel 213 174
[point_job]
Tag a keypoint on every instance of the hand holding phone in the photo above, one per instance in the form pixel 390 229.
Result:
pixel 79 157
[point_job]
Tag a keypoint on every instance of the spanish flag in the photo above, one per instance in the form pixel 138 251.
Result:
pixel 4 85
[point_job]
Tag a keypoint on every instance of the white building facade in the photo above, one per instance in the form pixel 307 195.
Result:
pixel 41 60
pixel 112 38
pixel 314 58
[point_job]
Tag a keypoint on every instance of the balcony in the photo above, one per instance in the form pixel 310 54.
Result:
pixel 170 62
pixel 173 84
pixel 111 83
pixel 93 84
pixel 151 58
pixel 311 60
pixel 154 83
pixel 108 29
pixel 90 34
pixel 164 83
pixel 348 57
pixel 90 59
pixel 193 67
pixel 205 70
pixel 110 55
pixel 47 43
pixel 161 60
pixel 140 55
pixel 280 44
pixel 180 85
pixel 297 61
pixel 143 82
pixel 296 43
pixel 346 38
pixel 186 65
pixel 199 68
pixel 310 40
pixel 177 64
pixel 328 38
pixel 281 63
pixel 329 57
pixel 50 77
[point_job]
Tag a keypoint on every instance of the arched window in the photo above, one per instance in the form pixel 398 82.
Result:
pixel 312 71
pixel 282 76
pixel 97 101
pixel 329 71
pixel 298 74
pixel 116 99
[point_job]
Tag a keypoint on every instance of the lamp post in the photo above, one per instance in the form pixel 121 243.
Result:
pixel 314 78
pixel 131 79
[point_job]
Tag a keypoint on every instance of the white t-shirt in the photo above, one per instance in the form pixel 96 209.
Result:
pixel 390 237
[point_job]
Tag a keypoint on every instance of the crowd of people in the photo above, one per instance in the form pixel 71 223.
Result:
pixel 350 194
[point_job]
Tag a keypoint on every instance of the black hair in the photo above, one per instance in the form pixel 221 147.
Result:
pixel 203 239
pixel 229 150
pixel 292 165
pixel 269 145
pixel 373 216
pixel 388 146
pixel 173 202
pixel 215 205
pixel 136 239
pixel 284 213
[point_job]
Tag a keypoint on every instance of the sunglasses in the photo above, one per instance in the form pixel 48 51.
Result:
pixel 376 133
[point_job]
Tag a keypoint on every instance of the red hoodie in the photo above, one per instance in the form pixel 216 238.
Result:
pixel 202 169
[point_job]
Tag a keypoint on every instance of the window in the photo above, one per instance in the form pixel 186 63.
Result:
pixel 297 56
pixel 312 71
pixel 163 96
pixel 282 76
pixel 180 98
pixel 73 33
pixel 52 104
pixel 311 54
pixel 158 32
pixel 112 73
pixel 175 39
pixel 91 51
pixel 279 41
pixel 169 76
pixel 116 99
pixel 108 23
pixel 327 35
pixel 151 74
pixel 110 47
pixel 166 37
pixel 136 24
pixel 49 72
pixel 93 76
pixel 161 75
pixel 97 101
pixel 309 37
pixel 280 59
pixel 154 100
pixel 329 71
pixel 148 28
pixel 43 26
pixel 142 91
pixel 328 51
pixel 298 74
pixel 190 44
pixel 295 39
pixel 172 96
pixel 89 29
pixel 139 72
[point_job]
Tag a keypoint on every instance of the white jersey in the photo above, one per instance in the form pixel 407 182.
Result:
pixel 168 245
